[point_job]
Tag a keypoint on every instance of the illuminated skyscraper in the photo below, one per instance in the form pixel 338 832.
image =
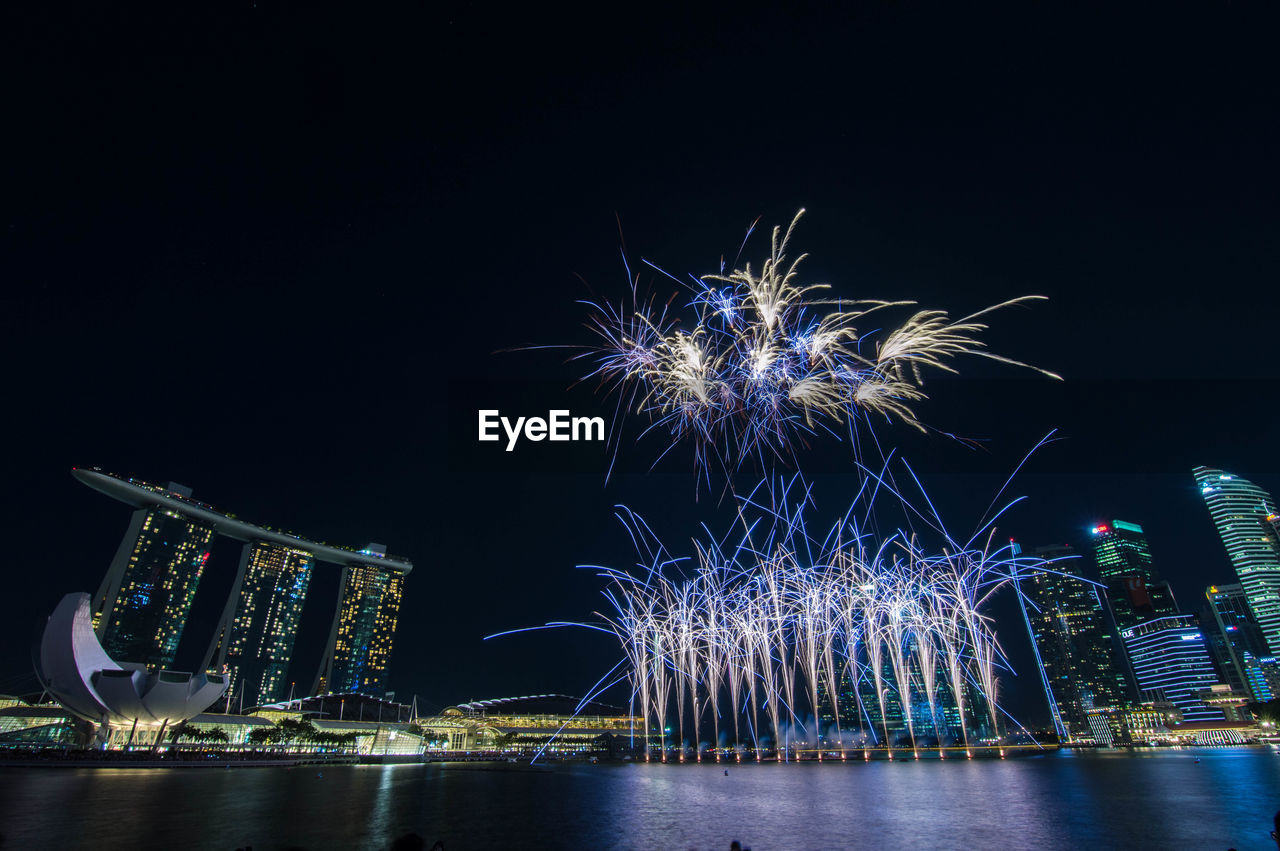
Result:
pixel 1238 645
pixel 1134 589
pixel 142 605
pixel 1171 663
pixel 1120 549
pixel 1082 667
pixel 364 627
pixel 1246 518
pixel 255 636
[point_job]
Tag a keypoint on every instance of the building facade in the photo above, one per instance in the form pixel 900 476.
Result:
pixel 1120 549
pixel 1081 663
pixel 554 723
pixel 254 640
pixel 1238 645
pixel 360 641
pixel 1171 663
pixel 1246 519
pixel 1134 588
pixel 141 607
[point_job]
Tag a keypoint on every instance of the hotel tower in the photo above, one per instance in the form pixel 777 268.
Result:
pixel 141 608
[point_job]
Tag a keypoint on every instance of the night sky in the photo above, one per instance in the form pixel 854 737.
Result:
pixel 281 256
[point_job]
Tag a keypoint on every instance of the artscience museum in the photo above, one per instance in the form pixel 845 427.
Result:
pixel 116 703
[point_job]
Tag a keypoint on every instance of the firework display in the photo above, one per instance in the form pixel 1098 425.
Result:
pixel 784 645
pixel 792 647
pixel 769 362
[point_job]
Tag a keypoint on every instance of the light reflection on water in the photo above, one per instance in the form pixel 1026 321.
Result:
pixel 1155 799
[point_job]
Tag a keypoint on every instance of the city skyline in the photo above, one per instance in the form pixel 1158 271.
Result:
pixel 339 245
pixel 1202 665
pixel 348 611
pixel 1181 673
pixel 1119 657
pixel 512 292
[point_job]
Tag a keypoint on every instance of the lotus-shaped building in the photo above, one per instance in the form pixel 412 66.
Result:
pixel 93 687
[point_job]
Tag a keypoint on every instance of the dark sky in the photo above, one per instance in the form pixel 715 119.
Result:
pixel 275 254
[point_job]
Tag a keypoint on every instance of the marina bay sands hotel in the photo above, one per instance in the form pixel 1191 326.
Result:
pixel 141 608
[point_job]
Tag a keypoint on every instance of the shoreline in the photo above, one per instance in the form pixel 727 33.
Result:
pixel 491 763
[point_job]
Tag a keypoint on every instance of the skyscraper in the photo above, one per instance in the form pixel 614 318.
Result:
pixel 1238 644
pixel 1120 549
pixel 1134 589
pixel 1081 664
pixel 142 605
pixel 1171 663
pixel 1246 518
pixel 360 640
pixel 254 639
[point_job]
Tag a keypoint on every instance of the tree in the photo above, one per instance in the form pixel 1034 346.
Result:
pixel 337 740
pixel 435 738
pixel 195 734
pixel 260 736
pixel 295 731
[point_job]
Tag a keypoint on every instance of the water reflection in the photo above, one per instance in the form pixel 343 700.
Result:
pixel 1159 799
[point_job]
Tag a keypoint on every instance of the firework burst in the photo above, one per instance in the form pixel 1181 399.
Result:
pixel 770 362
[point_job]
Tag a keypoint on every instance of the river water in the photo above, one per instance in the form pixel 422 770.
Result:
pixel 1167 799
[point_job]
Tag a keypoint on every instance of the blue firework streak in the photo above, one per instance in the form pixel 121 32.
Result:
pixel 769 362
pixel 755 631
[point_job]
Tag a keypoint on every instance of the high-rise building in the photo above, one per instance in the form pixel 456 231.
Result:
pixel 1246 518
pixel 1082 666
pixel 142 605
pixel 1134 589
pixel 360 640
pixel 1171 663
pixel 1238 645
pixel 254 640
pixel 1120 549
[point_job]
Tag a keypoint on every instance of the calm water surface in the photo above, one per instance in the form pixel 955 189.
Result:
pixel 1159 799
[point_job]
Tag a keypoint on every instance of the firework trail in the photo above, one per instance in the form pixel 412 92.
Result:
pixel 770 362
pixel 841 645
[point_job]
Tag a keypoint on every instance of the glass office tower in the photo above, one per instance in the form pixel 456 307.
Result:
pixel 142 606
pixel 1120 549
pixel 254 640
pixel 1238 645
pixel 1134 589
pixel 1246 518
pixel 1082 668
